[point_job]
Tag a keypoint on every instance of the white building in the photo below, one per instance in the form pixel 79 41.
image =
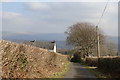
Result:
pixel 54 47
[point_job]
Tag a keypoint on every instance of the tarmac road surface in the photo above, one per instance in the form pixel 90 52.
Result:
pixel 77 71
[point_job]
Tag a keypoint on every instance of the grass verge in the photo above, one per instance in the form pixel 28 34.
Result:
pixel 66 68
pixel 94 70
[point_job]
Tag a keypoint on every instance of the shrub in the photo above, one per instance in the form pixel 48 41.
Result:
pixel 91 61
pixel 76 58
pixel 105 63
pixel 109 64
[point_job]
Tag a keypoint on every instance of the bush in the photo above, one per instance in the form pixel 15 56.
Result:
pixel 76 58
pixel 106 63
pixel 109 64
pixel 91 61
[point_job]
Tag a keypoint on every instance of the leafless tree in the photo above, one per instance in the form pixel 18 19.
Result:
pixel 83 36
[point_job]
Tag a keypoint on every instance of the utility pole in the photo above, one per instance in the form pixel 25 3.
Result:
pixel 98 35
pixel 98 42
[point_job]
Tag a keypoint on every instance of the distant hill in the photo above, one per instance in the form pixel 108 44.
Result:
pixel 21 37
pixel 113 39
pixel 59 37
pixel 33 36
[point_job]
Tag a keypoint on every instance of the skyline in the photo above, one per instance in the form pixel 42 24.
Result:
pixel 56 17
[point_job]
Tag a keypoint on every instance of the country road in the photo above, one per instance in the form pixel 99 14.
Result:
pixel 77 71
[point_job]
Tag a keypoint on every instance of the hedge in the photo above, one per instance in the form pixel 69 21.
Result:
pixel 106 63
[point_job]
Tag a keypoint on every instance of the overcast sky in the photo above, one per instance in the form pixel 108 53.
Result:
pixel 56 17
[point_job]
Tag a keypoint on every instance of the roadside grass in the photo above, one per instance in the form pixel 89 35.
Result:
pixel 95 71
pixel 66 68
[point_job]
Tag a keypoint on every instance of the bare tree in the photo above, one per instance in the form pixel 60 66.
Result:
pixel 83 36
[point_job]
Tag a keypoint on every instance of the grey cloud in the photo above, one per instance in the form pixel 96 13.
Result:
pixel 61 15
